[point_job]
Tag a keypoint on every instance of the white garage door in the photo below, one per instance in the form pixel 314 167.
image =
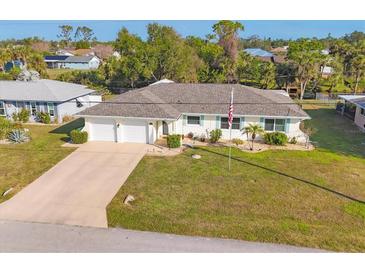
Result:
pixel 134 131
pixel 102 130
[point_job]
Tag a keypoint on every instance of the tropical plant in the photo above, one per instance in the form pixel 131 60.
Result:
pixel 215 135
pixel 253 130
pixel 18 136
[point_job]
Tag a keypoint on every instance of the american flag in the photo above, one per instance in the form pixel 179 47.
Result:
pixel 230 112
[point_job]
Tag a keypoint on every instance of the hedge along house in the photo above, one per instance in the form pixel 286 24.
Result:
pixel 53 97
pixel 146 114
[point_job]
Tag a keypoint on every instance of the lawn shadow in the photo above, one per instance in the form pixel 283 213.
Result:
pixel 342 195
pixel 336 133
pixel 66 128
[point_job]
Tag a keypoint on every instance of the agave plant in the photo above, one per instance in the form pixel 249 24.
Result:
pixel 18 136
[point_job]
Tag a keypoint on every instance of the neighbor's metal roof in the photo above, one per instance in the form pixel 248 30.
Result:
pixel 41 90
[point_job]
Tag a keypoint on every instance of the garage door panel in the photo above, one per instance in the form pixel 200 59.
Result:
pixel 134 131
pixel 103 130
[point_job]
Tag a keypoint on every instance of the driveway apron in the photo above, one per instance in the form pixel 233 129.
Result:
pixel 78 189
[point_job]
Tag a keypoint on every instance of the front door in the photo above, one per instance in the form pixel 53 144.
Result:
pixel 165 128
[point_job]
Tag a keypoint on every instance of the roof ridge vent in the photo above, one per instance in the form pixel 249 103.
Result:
pixel 163 81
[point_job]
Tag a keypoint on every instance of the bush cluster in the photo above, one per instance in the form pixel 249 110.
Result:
pixel 21 116
pixel 5 127
pixel 174 140
pixel 215 135
pixel 43 117
pixel 78 137
pixel 237 141
pixel 275 138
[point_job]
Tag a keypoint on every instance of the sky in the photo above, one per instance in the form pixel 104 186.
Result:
pixel 107 30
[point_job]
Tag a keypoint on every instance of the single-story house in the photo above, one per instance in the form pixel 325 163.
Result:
pixel 72 62
pixel 54 97
pixel 354 108
pixel 146 114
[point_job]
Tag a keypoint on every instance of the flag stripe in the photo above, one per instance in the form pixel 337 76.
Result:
pixel 230 112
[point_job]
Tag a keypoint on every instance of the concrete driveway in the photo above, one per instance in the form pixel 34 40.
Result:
pixel 77 190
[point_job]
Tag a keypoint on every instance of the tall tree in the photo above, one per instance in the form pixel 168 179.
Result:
pixel 133 65
pixel 227 32
pixel 212 55
pixel 171 57
pixel 65 34
pixel 307 56
pixel 84 35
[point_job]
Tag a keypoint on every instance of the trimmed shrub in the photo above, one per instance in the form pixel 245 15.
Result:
pixel 173 140
pixel 5 127
pixel 215 135
pixel 78 137
pixel 275 138
pixel 43 117
pixel 190 135
pixel 202 138
pixel 22 116
pixel 237 141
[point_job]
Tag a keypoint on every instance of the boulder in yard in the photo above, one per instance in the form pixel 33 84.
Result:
pixel 7 191
pixel 196 156
pixel 128 199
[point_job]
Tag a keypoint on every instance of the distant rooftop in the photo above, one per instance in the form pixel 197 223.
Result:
pixel 258 52
pixel 41 90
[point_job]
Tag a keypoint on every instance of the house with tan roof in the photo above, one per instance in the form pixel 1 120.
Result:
pixel 147 114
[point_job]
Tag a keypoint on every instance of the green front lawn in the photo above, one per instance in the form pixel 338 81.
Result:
pixel 23 163
pixel 293 197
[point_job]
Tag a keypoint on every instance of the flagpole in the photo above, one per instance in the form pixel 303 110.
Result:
pixel 230 135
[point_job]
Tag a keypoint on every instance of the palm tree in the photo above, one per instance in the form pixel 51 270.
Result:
pixel 254 130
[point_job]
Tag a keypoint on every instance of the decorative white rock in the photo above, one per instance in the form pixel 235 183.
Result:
pixel 128 199
pixel 196 156
pixel 8 191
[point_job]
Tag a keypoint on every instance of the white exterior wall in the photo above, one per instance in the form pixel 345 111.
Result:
pixel 209 123
pixel 359 119
pixel 70 107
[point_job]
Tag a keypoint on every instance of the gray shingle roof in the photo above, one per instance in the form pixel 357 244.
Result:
pixel 41 90
pixel 170 100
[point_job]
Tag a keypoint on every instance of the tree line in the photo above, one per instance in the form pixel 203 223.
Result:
pixel 219 57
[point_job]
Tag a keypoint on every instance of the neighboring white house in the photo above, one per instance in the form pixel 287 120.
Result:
pixel 72 62
pixel 354 108
pixel 54 97
pixel 146 114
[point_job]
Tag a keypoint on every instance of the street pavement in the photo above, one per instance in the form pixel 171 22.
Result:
pixel 37 237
